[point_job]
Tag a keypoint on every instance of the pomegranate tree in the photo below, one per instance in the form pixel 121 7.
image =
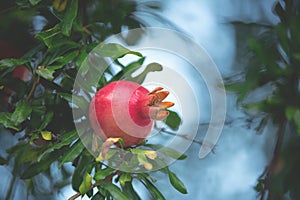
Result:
pixel 127 110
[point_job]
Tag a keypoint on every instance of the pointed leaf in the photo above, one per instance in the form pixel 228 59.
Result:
pixel 86 184
pixel 177 183
pixel 72 153
pixel 156 194
pixel 47 119
pixel 46 135
pixel 3 161
pixel 22 111
pixel 79 172
pixel 103 173
pixel 114 50
pixel 39 167
pixel 173 120
pixel 115 192
pixel 34 2
pixel 70 16
pixel 124 178
pixel 11 62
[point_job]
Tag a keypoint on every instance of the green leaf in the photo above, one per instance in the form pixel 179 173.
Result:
pixel 11 62
pixel 115 192
pixel 86 184
pixel 46 73
pixel 152 67
pixel 50 36
pixel 3 161
pixel 172 153
pixel 73 152
pixel 79 101
pixel 173 120
pixel 156 194
pixel 290 112
pixel 167 151
pixel 79 172
pixel 47 119
pixel 98 196
pixel 5 120
pixel 114 50
pixel 128 188
pixel 70 16
pixel 34 2
pixel 66 139
pixel 103 173
pixel 22 111
pixel 124 178
pixel 126 72
pixel 176 182
pixel 39 167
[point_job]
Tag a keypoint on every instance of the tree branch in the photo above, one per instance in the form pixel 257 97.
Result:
pixel 270 169
pixel 108 178
pixel 163 130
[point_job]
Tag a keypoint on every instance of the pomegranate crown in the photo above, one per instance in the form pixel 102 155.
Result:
pixel 157 108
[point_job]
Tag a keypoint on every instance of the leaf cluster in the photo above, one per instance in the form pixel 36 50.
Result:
pixel 41 108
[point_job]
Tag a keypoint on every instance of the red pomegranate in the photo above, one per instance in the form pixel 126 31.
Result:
pixel 127 110
pixel 20 72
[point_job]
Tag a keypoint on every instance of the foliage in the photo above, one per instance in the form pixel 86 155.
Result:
pixel 41 108
pixel 273 69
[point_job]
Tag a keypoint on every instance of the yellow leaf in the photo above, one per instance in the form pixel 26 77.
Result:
pixel 150 154
pixel 46 135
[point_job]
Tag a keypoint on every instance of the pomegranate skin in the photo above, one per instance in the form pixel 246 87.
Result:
pixel 120 110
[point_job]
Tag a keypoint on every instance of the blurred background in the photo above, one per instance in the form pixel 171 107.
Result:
pixel 223 29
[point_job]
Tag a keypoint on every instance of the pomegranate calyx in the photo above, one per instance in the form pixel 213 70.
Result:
pixel 156 105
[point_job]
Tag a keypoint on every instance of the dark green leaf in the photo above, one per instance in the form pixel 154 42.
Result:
pixel 67 138
pixel 5 120
pixel 98 196
pixel 47 119
pixel 124 178
pixel 127 71
pixel 128 188
pixel 156 194
pixel 86 184
pixel 72 153
pixel 102 173
pixel 3 161
pixel 50 36
pixel 10 62
pixel 80 171
pixel 34 2
pixel 115 192
pixel 177 183
pixel 39 167
pixel 45 73
pixel 22 111
pixel 114 50
pixel 152 67
pixel 79 101
pixel 70 16
pixel 173 120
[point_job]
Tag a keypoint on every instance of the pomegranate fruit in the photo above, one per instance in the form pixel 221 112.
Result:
pixel 127 110
pixel 20 72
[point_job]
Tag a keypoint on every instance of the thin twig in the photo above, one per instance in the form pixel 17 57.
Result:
pixel 163 130
pixel 108 178
pixel 35 84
